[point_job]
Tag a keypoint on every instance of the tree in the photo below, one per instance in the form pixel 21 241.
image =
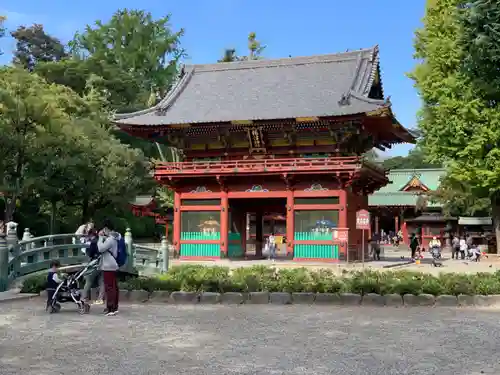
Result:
pixel 136 43
pixel 414 160
pixel 34 45
pixel 255 50
pixel 458 124
pixel 458 199
pixel 229 56
pixel 481 40
pixel 54 146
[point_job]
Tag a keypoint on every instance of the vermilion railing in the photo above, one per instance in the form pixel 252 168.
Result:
pixel 262 165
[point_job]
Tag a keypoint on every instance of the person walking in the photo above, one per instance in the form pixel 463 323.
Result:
pixel 272 247
pixel 108 248
pixel 414 244
pixel 455 247
pixel 90 279
pixel 463 247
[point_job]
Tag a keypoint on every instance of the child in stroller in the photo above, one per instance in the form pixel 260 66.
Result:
pixel 474 253
pixel 66 288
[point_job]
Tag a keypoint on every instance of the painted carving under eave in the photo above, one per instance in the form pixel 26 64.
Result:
pixel 200 189
pixel 257 189
pixel 316 187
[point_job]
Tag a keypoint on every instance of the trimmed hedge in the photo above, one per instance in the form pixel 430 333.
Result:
pixel 197 278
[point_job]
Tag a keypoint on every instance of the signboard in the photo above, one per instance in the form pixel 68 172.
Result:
pixel 341 235
pixel 363 220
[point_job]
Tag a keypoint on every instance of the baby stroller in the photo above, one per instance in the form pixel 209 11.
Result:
pixel 474 254
pixel 436 256
pixel 69 290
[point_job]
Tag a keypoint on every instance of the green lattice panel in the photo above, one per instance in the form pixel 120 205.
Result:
pixel 200 250
pixel 313 236
pixel 313 251
pixel 234 250
pixel 200 236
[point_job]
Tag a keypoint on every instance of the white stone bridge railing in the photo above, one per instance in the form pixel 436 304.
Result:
pixel 19 258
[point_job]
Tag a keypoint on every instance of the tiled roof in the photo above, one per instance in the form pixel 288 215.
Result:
pixel 391 194
pixel 400 177
pixel 326 85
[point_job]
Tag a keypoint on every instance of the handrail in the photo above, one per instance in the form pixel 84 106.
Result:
pixel 50 237
pixel 260 164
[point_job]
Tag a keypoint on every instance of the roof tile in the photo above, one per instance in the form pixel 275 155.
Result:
pixel 327 85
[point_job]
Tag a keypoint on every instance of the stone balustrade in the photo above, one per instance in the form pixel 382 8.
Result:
pixel 33 254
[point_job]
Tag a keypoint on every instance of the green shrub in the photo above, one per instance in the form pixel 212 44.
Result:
pixel 456 284
pixel 198 278
pixel 486 284
pixel 294 280
pixel 325 281
pixel 364 282
pixel 34 283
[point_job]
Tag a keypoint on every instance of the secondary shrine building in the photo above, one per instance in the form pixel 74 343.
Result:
pixel 277 139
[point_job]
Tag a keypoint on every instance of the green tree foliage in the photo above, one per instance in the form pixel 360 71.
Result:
pixel 458 198
pixel 458 123
pixel 33 45
pixel 481 42
pixel 136 43
pixel 255 50
pixel 54 147
pixel 414 160
pixel 131 61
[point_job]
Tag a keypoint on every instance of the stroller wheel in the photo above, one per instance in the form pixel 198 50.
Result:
pixel 84 308
pixel 55 308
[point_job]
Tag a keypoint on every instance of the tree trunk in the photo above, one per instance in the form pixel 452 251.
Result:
pixel 495 212
pixel 53 213
pixel 10 209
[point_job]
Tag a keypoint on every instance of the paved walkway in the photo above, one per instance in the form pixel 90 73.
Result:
pixel 163 339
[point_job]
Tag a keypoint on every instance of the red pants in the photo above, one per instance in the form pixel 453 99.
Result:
pixel 111 288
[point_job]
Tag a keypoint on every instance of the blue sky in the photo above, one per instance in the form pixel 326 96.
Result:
pixel 292 27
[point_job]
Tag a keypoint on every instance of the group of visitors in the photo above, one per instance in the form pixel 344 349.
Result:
pixel 391 237
pixel 461 246
pixel 102 245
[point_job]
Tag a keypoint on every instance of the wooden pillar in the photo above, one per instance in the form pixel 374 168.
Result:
pixel 290 224
pixel 396 223
pixel 177 223
pixel 343 248
pixel 377 224
pixel 258 234
pixel 224 223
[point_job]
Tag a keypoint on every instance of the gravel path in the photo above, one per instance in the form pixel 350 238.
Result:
pixel 162 339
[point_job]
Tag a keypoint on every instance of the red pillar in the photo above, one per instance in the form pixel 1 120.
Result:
pixel 290 224
pixel 224 227
pixel 177 222
pixel 343 222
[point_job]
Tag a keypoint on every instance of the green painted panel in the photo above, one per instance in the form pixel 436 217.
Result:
pixel 314 251
pixel 200 250
pixel 235 250
pixel 313 236
pixel 200 236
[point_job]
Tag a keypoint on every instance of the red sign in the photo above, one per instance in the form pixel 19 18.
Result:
pixel 342 235
pixel 363 220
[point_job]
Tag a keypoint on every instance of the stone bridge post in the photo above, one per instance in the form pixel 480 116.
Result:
pixel 130 250
pixel 4 263
pixel 13 246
